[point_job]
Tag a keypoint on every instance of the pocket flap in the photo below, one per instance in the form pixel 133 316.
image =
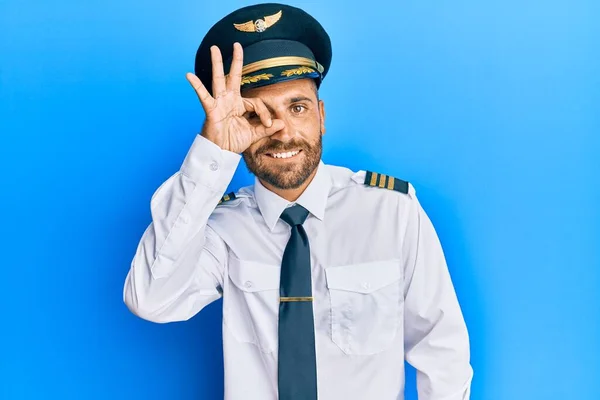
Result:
pixel 251 276
pixel 363 278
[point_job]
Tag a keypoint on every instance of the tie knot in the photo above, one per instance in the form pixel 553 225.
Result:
pixel 295 215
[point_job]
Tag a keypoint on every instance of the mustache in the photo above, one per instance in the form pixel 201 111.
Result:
pixel 279 147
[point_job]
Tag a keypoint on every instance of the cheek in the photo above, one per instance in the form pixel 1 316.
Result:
pixel 254 147
pixel 250 154
pixel 308 124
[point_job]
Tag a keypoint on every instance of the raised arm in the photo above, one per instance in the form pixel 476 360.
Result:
pixel 179 263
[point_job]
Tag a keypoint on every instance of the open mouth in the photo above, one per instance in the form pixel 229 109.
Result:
pixel 284 155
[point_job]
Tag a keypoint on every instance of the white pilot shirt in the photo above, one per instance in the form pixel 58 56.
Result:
pixel 381 287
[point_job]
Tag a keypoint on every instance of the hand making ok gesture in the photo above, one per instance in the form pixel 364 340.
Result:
pixel 225 123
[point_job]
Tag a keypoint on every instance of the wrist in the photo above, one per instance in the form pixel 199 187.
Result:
pixel 209 133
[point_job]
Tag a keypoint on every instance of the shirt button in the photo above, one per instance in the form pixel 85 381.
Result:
pixel 185 219
pixel 248 284
pixel 366 285
pixel 214 166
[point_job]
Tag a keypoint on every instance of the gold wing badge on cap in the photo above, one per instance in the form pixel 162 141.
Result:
pixel 260 25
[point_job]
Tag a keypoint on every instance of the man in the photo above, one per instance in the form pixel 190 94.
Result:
pixel 330 278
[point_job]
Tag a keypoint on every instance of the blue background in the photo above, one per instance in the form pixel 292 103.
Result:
pixel 490 108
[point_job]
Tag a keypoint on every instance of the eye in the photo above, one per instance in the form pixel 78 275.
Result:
pixel 251 115
pixel 298 108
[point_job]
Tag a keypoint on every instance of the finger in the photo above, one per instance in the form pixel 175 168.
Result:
pixel 261 131
pixel 204 96
pixel 219 86
pixel 234 81
pixel 260 109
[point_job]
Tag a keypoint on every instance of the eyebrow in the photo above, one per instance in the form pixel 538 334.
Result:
pixel 300 98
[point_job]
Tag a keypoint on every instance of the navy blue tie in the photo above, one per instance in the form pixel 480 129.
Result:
pixel 297 367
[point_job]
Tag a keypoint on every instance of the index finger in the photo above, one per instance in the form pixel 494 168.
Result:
pixel 234 80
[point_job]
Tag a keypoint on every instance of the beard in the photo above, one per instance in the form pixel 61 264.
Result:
pixel 289 175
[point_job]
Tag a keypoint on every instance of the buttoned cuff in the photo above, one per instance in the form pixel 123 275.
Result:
pixel 209 165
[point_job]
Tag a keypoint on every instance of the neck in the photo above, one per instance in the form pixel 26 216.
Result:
pixel 290 195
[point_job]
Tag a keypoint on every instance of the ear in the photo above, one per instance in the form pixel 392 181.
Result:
pixel 322 113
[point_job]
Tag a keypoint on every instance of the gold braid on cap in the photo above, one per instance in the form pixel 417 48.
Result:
pixel 297 71
pixel 255 78
pixel 281 62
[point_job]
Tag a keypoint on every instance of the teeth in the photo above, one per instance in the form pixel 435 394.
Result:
pixel 285 155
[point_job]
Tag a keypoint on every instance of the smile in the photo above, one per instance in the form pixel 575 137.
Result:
pixel 288 154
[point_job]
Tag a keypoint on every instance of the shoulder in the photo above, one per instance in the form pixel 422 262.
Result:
pixel 231 209
pixel 241 197
pixel 368 181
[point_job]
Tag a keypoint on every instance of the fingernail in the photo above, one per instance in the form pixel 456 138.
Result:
pixel 269 123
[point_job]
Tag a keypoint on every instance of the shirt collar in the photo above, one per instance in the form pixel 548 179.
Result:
pixel 314 198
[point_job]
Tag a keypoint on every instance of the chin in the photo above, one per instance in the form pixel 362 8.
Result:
pixel 291 176
pixel 286 179
pixel 289 185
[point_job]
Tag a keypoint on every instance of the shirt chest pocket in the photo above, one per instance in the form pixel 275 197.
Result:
pixel 366 305
pixel 251 303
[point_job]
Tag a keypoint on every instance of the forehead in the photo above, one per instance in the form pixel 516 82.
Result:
pixel 283 90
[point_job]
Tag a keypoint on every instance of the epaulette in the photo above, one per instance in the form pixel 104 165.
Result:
pixel 385 181
pixel 227 197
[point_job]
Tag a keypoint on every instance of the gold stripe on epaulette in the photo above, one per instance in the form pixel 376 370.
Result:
pixel 227 197
pixel 391 183
pixel 373 179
